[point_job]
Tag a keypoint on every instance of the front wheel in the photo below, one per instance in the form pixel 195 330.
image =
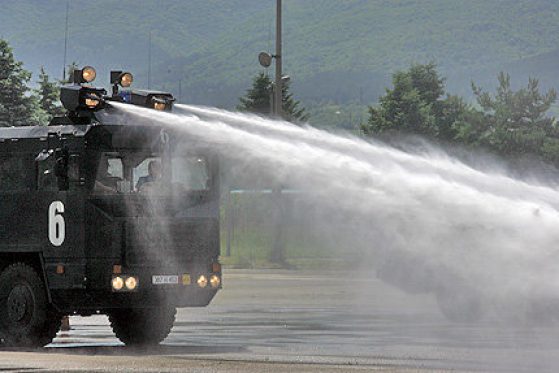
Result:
pixel 146 326
pixel 26 317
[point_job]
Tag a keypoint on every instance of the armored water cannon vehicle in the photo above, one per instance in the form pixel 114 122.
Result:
pixel 100 216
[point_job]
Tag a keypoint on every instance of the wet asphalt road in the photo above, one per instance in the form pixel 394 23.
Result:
pixel 278 321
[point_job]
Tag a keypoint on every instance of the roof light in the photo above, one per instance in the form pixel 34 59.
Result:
pixel 126 80
pixel 88 74
pixel 121 78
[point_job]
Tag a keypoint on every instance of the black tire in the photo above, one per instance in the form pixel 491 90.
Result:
pixel 26 317
pixel 460 306
pixel 147 326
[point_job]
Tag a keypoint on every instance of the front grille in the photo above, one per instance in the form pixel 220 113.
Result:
pixel 171 243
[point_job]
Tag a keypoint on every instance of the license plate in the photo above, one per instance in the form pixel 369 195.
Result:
pixel 164 280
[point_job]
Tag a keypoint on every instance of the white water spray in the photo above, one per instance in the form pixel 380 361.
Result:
pixel 426 219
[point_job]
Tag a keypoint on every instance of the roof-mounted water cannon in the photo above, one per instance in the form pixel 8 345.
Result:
pixel 162 101
pixel 80 99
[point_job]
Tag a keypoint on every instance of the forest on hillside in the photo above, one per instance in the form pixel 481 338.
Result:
pixel 340 54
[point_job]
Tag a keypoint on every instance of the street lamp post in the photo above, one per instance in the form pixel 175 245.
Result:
pixel 265 59
pixel 276 104
pixel 278 88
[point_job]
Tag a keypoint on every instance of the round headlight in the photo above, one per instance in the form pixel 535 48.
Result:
pixel 131 283
pixel 126 80
pixel 214 281
pixel 117 283
pixel 88 74
pixel 202 281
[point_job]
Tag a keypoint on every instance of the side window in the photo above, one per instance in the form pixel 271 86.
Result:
pixel 141 170
pixel 115 167
pixel 110 174
pixel 74 171
pixel 191 172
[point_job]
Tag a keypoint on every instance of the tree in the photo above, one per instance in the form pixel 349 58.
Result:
pixel 510 123
pixel 49 96
pixel 292 111
pixel 415 105
pixel 514 122
pixel 258 100
pixel 17 106
pixel 70 73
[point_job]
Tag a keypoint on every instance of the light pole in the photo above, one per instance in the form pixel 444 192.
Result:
pixel 279 86
pixel 265 59
pixel 273 100
pixel 276 102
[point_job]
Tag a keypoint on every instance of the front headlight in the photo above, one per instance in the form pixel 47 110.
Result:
pixel 124 283
pixel 118 283
pixel 215 281
pixel 131 283
pixel 202 281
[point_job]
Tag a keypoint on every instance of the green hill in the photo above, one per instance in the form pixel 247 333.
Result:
pixel 336 51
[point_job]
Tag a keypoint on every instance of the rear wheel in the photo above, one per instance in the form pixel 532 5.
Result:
pixel 26 317
pixel 147 326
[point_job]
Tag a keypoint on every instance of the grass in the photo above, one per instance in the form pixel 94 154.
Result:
pixel 253 236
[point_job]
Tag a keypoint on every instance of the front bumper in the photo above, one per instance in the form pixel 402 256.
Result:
pixel 150 292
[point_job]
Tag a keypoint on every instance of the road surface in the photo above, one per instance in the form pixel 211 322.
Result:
pixel 282 321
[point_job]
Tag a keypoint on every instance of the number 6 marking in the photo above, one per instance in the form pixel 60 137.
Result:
pixel 57 227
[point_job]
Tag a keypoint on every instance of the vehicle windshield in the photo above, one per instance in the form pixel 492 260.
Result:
pixel 148 173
